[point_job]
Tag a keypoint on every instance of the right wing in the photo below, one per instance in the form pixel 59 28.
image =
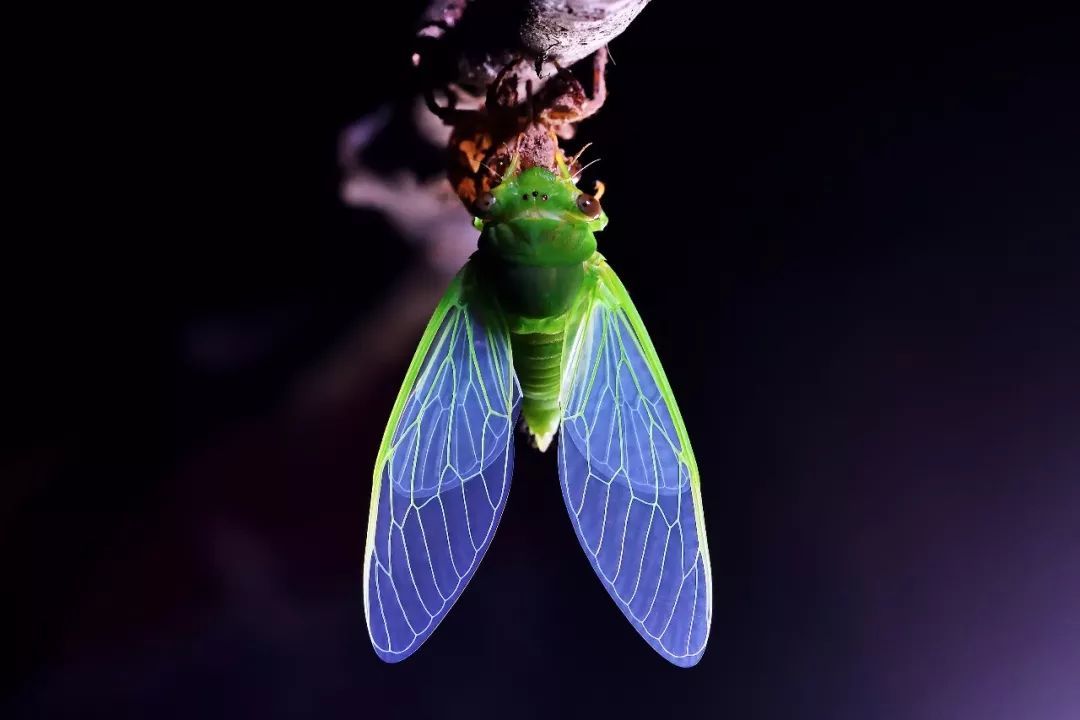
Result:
pixel 442 473
pixel 629 477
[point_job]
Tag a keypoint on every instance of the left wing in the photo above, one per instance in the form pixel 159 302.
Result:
pixel 443 472
pixel 628 474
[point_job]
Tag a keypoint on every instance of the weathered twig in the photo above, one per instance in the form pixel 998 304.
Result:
pixel 472 40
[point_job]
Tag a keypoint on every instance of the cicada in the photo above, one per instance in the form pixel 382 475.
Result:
pixel 537 328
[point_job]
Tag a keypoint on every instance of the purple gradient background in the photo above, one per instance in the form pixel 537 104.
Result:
pixel 857 246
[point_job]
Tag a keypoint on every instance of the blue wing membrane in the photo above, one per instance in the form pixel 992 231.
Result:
pixel 444 483
pixel 626 481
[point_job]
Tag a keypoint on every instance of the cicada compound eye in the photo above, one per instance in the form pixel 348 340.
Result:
pixel 588 205
pixel 485 203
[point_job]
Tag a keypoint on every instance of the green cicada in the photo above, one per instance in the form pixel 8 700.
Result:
pixel 537 325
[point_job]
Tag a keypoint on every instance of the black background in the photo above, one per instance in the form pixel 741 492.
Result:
pixel 855 238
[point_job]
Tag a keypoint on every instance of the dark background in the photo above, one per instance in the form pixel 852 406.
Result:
pixel 855 238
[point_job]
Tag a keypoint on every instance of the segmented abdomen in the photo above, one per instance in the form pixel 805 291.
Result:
pixel 538 362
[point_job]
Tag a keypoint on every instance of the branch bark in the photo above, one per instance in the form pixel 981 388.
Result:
pixel 479 37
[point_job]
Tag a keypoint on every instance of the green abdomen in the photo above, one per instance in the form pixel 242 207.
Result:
pixel 535 299
pixel 538 362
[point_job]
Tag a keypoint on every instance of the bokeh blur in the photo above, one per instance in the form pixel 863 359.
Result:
pixel 855 239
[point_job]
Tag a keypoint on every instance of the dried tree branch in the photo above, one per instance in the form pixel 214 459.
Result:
pixel 477 38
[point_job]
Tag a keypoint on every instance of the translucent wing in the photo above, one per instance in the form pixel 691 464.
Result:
pixel 443 472
pixel 629 477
